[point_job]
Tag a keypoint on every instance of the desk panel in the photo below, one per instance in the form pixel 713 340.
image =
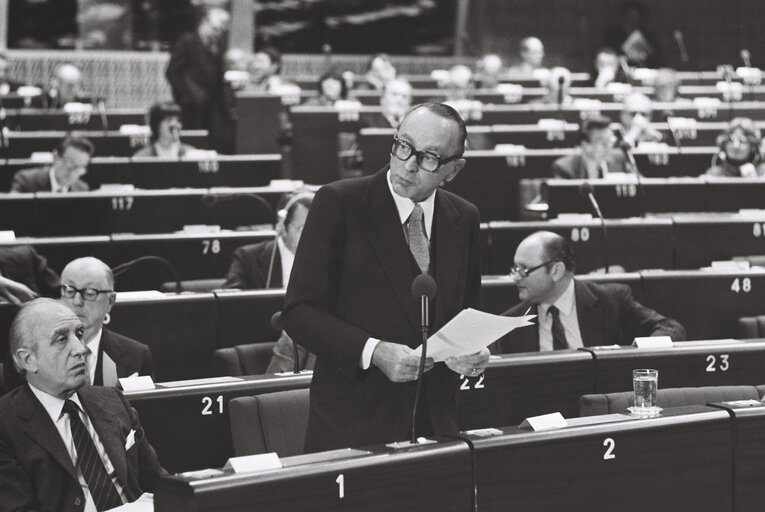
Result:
pixel 681 461
pixel 18 213
pixel 61 250
pixel 245 316
pixel 707 303
pixel 705 237
pixel 179 329
pixel 694 364
pixel 189 426
pixel 257 123
pixel 516 386
pixel 433 477
pixel 35 120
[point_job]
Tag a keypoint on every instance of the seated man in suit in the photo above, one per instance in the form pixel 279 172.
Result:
pixel 70 163
pixel 268 265
pixel 65 86
pixel 396 100
pixel 29 270
pixel 7 84
pixel 65 445
pixel 572 313
pixel 596 158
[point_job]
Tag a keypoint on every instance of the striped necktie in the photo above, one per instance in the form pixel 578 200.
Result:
pixel 418 242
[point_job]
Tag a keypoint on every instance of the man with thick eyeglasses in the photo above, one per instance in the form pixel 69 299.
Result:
pixel 70 163
pixel 349 299
pixel 573 313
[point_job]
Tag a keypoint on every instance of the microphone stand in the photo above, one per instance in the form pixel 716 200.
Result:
pixel 423 355
pixel 124 267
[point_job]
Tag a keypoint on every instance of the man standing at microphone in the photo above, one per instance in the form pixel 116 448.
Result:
pixel 349 300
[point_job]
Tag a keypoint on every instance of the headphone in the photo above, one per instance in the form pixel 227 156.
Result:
pixel 750 132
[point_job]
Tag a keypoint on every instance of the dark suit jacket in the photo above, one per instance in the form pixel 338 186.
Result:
pixel 37 179
pixel 194 72
pixel 36 472
pixel 128 355
pixel 607 314
pixel 352 280
pixel 249 266
pixel 572 167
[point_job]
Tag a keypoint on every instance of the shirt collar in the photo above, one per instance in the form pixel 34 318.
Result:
pixel 54 185
pixel 53 405
pixel 287 259
pixel 404 205
pixel 565 303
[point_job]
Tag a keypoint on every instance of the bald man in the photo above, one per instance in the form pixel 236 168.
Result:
pixel 571 313
pixel 87 287
pixel 65 445
pixel 532 53
pixel 65 86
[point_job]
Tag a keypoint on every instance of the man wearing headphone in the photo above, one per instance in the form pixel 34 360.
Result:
pixel 596 157
pixel 268 265
pixel 739 154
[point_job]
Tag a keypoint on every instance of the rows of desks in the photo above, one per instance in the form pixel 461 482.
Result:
pixel 513 388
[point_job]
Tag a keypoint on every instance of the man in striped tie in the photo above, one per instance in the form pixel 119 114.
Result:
pixel 65 445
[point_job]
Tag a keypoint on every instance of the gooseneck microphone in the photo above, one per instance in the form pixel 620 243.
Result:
pixel 586 191
pixel 101 105
pixel 746 57
pixel 423 288
pixel 124 267
pixel 278 325
pixel 561 81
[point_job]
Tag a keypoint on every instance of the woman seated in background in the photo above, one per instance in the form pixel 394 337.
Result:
pixel 739 154
pixel 165 125
pixel 331 87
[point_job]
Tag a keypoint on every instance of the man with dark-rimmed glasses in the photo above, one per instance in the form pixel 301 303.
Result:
pixel 573 313
pixel 349 299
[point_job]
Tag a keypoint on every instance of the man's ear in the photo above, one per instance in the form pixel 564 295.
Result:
pixel 558 270
pixel 26 359
pixel 458 165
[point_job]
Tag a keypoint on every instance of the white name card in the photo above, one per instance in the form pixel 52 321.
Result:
pixel 7 236
pixel 653 342
pixel 252 463
pixel 137 383
pixel 545 422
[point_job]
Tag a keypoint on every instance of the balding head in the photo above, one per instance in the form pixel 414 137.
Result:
pixel 532 51
pixel 548 264
pixel 90 266
pixel 77 278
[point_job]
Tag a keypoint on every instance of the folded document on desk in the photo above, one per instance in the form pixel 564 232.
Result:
pixel 470 331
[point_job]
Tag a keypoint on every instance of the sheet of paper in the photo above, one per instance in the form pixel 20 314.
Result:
pixel 145 503
pixel 470 331
pixel 197 382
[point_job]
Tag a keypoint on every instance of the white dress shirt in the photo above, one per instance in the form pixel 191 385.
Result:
pixel 566 305
pixel 287 258
pixel 54 406
pixel 404 206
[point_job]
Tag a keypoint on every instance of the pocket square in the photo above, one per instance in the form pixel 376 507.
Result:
pixel 130 440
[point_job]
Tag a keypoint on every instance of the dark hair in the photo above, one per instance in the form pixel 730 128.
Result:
pixel 274 55
pixel 332 75
pixel 158 113
pixel 447 112
pixel 76 142
pixel 557 248
pixel 751 132
pixel 589 125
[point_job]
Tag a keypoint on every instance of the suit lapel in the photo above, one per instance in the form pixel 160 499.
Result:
pixel 590 315
pixel 449 246
pixel 41 429
pixel 264 263
pixel 108 431
pixel 386 237
pixel 113 350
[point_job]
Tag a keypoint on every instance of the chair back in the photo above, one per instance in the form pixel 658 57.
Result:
pixel 250 359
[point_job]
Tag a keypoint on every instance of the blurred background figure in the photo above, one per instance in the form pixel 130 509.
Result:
pixel 635 119
pixel 596 158
pixel 165 125
pixel 265 71
pixel 331 87
pixel 607 68
pixel 395 101
pixel 269 264
pixel 532 54
pixel 65 86
pixel 489 68
pixel 666 85
pixel 70 163
pixel 195 74
pixel 380 70
pixel 25 274
pixel 7 84
pixel 739 154
pixel 631 38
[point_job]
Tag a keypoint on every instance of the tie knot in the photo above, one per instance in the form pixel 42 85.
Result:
pixel 417 213
pixel 553 311
pixel 71 407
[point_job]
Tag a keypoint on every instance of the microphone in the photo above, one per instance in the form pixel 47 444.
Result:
pixel 423 288
pixel 678 35
pixel 124 267
pixel 586 191
pixel 326 49
pixel 561 81
pixel 101 105
pixel 672 131
pixel 626 69
pixel 278 325
pixel 746 57
pixel 626 148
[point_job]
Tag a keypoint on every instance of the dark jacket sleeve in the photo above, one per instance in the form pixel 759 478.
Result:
pixel 643 321
pixel 48 280
pixel 237 275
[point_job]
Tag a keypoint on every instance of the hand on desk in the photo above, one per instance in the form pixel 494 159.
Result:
pixel 470 365
pixel 397 362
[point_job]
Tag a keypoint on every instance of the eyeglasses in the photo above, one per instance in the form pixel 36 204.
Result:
pixel 426 160
pixel 523 272
pixel 89 294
